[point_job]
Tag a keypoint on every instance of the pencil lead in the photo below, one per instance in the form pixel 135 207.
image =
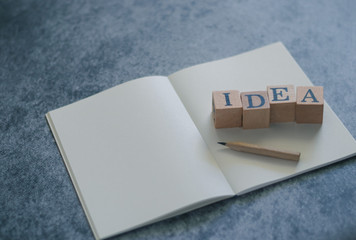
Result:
pixel 222 143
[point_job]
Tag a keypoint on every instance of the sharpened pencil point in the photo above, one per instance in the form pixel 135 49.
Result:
pixel 222 143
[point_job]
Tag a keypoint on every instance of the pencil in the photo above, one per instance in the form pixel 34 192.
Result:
pixel 265 151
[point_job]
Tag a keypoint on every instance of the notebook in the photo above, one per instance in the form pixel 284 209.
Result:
pixel 147 150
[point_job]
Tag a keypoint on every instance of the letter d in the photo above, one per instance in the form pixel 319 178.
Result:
pixel 250 102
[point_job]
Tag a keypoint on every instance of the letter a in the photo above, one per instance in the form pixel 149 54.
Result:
pixel 311 96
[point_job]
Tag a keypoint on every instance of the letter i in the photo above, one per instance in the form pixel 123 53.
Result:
pixel 227 99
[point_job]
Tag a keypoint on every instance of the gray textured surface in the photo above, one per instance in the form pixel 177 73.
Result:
pixel 55 52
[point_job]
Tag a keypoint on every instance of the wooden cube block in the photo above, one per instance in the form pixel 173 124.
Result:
pixel 255 110
pixel 310 105
pixel 282 102
pixel 227 109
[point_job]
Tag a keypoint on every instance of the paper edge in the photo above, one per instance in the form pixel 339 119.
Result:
pixel 71 174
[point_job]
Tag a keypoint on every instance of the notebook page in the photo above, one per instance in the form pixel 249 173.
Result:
pixel 253 71
pixel 134 155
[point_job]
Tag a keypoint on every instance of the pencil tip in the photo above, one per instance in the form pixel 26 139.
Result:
pixel 222 143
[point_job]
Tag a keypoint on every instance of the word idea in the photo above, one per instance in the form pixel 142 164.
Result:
pixel 257 109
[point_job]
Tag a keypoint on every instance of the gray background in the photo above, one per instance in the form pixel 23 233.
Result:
pixel 53 53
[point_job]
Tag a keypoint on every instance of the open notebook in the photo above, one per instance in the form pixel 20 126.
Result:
pixel 147 149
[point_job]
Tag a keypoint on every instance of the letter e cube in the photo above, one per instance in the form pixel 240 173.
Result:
pixel 282 102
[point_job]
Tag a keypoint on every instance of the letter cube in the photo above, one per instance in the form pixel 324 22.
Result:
pixel 310 105
pixel 255 110
pixel 282 102
pixel 227 109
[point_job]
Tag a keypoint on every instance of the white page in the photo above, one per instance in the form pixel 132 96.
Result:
pixel 252 71
pixel 134 155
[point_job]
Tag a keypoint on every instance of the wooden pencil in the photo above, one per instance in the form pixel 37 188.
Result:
pixel 265 151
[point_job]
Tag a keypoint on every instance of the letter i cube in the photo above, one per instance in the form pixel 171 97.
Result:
pixel 310 105
pixel 227 109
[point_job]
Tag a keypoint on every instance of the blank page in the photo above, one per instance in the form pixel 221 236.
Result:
pixel 134 155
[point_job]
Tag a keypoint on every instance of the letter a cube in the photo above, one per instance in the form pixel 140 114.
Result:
pixel 227 109
pixel 256 110
pixel 310 105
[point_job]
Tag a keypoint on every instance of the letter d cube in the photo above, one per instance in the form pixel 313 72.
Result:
pixel 227 109
pixel 256 110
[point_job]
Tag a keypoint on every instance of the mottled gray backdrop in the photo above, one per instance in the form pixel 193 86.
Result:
pixel 53 53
